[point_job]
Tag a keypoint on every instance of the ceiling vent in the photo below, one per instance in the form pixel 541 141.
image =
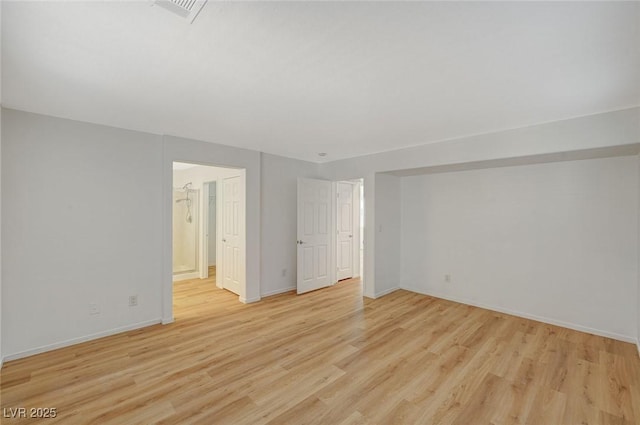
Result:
pixel 187 9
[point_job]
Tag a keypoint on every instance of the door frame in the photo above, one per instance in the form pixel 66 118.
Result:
pixel 359 187
pixel 356 231
pixel 355 217
pixel 367 268
pixel 206 194
pixel 251 262
pixel 204 252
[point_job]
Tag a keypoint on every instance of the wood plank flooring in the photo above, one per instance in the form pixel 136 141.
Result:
pixel 330 357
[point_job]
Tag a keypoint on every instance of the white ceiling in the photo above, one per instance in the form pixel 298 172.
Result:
pixel 178 166
pixel 298 78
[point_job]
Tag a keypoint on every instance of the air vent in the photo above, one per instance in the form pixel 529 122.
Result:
pixel 187 9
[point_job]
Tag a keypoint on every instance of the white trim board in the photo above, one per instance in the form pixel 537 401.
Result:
pixel 385 292
pixel 244 300
pixel 278 291
pixel 186 276
pixel 547 320
pixel 79 340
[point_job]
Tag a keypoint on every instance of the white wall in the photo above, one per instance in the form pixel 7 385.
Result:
pixel 108 201
pixel 81 212
pixel 557 242
pixel 589 136
pixel 99 247
pixel 201 174
pixel 591 132
pixel 388 203
pixel 279 220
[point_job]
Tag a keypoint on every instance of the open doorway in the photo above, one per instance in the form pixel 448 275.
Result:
pixel 349 229
pixel 211 231
pixel 208 234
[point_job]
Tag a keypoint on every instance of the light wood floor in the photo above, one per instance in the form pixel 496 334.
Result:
pixel 330 357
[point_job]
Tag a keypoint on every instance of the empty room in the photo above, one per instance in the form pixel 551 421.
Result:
pixel 319 212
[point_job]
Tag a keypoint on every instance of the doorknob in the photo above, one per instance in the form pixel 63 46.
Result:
pixel 300 242
pixel 350 236
pixel 224 240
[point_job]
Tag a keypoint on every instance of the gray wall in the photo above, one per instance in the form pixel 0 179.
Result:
pixel 81 212
pixel 279 220
pixel 86 209
pixel 387 233
pixel 557 242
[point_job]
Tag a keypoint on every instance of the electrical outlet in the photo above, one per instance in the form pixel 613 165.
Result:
pixel 133 300
pixel 94 309
pixel 447 278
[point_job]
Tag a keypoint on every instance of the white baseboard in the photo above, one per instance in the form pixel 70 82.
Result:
pixel 547 320
pixel 167 320
pixel 1 362
pixel 385 292
pixel 74 341
pixel 186 276
pixel 638 345
pixel 278 291
pixel 249 300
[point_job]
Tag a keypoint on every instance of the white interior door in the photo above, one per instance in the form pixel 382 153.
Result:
pixel 314 234
pixel 345 230
pixel 233 233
